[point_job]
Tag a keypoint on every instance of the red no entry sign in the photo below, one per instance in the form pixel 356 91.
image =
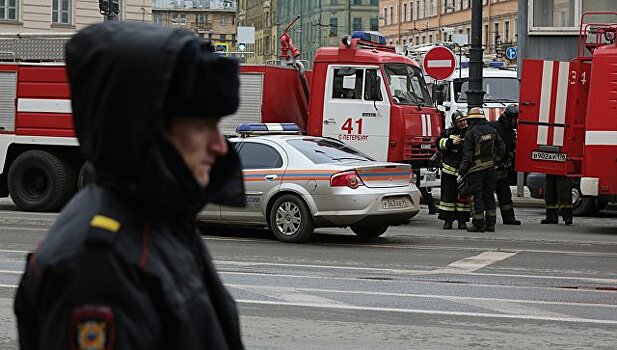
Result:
pixel 439 63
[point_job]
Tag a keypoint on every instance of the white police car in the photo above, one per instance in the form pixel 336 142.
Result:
pixel 295 183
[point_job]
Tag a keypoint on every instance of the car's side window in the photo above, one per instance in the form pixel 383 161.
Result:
pixel 255 155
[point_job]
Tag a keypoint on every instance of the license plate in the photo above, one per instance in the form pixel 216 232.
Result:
pixel 398 202
pixel 553 157
pixel 425 146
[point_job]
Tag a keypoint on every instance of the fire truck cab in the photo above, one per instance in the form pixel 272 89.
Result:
pixel 567 121
pixel 501 87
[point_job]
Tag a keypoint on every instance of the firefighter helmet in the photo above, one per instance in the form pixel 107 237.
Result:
pixel 476 113
pixel 457 116
pixel 511 111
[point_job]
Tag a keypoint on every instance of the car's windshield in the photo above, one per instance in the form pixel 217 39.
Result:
pixel 321 150
pixel 498 89
pixel 407 85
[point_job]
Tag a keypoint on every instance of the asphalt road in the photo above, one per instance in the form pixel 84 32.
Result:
pixel 532 286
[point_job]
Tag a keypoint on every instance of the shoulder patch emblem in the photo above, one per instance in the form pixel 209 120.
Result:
pixel 92 328
pixel 106 223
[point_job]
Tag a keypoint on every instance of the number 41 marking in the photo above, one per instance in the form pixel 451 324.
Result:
pixel 348 125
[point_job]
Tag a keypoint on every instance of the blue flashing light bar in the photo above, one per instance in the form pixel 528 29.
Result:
pixel 373 37
pixel 267 129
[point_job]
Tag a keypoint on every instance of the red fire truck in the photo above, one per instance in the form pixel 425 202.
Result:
pixel 568 115
pixel 361 92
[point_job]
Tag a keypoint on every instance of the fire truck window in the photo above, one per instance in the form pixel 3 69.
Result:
pixel 348 83
pixel 407 85
pixel 255 155
pixel 372 83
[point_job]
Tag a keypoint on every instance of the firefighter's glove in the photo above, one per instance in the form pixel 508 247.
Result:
pixel 459 179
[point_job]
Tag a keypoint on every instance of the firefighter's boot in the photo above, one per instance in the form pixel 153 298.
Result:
pixel 567 215
pixel 510 220
pixel 462 225
pixel 551 217
pixel 490 223
pixel 477 225
pixel 447 225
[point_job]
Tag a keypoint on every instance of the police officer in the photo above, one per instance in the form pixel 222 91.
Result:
pixel 558 198
pixel 506 129
pixel 124 266
pixel 450 143
pixel 482 150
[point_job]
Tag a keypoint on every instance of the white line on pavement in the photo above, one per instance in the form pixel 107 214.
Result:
pixel 474 263
pixel 416 295
pixel 431 312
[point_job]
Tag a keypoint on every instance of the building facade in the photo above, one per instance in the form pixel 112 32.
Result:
pixel 62 16
pixel 324 22
pixel 261 15
pixel 417 22
pixel 549 28
pixel 208 19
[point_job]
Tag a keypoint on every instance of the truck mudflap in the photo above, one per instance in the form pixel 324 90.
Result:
pixel 549 116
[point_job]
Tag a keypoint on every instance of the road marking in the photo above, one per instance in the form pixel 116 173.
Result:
pixel 459 299
pixel 474 263
pixel 444 247
pixel 288 295
pixel 432 312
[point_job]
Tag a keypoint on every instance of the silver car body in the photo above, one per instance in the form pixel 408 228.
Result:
pixel 386 198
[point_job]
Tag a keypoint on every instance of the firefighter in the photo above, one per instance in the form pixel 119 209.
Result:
pixel 506 129
pixel 482 150
pixel 450 143
pixel 124 266
pixel 558 199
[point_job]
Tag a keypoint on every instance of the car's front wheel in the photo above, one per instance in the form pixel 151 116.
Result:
pixel 369 231
pixel 291 220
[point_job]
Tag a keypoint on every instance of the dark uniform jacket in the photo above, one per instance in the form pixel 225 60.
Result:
pixel 451 154
pixel 508 135
pixel 124 267
pixel 482 148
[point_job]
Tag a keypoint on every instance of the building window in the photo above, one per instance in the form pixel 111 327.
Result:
pixel 357 2
pixel 374 24
pixel 506 31
pixel 157 19
pixel 391 15
pixel 223 20
pixel 333 27
pixel 563 16
pixel 61 11
pixel 496 33
pixel 385 15
pixel 357 23
pixel 404 12
pixel 430 38
pixel 433 10
pixel 333 2
pixel 8 10
pixel 374 2
pixel 423 9
pixel 411 10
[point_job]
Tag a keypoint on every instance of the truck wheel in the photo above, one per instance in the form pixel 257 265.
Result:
pixel 86 175
pixel 41 181
pixel 291 220
pixel 582 206
pixel 368 231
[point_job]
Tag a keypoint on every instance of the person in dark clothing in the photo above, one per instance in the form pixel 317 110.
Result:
pixel 452 206
pixel 482 149
pixel 506 129
pixel 558 199
pixel 124 266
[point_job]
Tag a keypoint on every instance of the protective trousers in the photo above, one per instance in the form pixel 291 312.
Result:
pixel 558 197
pixel 452 206
pixel 482 187
pixel 504 195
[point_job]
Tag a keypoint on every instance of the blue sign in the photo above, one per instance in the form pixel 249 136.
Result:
pixel 511 53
